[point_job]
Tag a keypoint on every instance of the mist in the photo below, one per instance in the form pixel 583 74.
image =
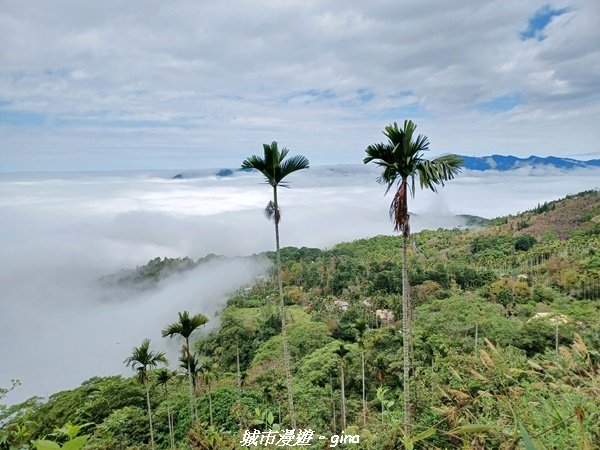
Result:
pixel 60 233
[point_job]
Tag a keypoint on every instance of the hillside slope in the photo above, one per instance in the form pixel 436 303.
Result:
pixel 564 218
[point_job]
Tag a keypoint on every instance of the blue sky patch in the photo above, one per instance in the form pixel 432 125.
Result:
pixel 502 103
pixel 400 113
pixel 312 95
pixel 540 21
pixel 365 95
pixel 21 118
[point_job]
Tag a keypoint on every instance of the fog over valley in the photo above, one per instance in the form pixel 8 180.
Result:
pixel 61 233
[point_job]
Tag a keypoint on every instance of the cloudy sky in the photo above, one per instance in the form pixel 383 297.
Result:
pixel 180 84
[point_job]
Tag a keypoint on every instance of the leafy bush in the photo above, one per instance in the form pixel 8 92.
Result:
pixel 524 242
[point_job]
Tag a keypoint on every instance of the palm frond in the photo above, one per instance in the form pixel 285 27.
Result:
pixel 401 159
pixel 399 209
pixel 272 212
pixel 341 351
pixel 394 134
pixel 171 330
pixel 163 376
pixel 291 165
pixel 254 162
pixel 273 166
pixel 189 360
pixel 436 172
pixel 185 326
pixel 142 359
pixel 282 154
pixel 383 155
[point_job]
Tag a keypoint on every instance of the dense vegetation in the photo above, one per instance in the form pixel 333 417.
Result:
pixel 505 349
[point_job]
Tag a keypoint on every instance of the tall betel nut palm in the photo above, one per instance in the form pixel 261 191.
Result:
pixel 163 376
pixel 142 360
pixel 275 168
pixel 184 328
pixel 401 159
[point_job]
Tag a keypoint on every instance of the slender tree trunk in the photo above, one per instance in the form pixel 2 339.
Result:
pixel 286 352
pixel 406 334
pixel 239 380
pixel 210 409
pixel 343 396
pixel 149 413
pixel 364 396
pixel 169 419
pixel 171 428
pixel 334 418
pixel 193 412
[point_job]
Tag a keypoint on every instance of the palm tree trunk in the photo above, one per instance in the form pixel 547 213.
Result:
pixel 364 397
pixel 210 409
pixel 171 427
pixel 193 412
pixel 286 352
pixel 169 419
pixel 406 334
pixel 149 413
pixel 334 416
pixel 239 380
pixel 343 396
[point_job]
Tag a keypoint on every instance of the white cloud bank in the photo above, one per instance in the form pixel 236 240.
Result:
pixel 59 235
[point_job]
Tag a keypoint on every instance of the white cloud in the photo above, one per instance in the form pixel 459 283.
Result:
pixel 59 235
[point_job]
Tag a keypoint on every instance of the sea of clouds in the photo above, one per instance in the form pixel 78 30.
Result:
pixel 59 233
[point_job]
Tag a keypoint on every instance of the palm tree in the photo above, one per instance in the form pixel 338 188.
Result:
pixel 184 328
pixel 208 371
pixel 163 376
pixel 401 158
pixel 189 362
pixel 360 325
pixel 143 359
pixel 275 169
pixel 342 351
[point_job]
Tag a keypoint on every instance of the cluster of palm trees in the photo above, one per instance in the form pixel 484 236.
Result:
pixel 143 360
pixel 402 161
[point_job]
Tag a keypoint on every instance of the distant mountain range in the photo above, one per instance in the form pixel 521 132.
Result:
pixel 503 163
pixel 493 162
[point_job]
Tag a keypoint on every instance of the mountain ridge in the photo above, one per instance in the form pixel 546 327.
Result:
pixel 498 162
pixel 509 162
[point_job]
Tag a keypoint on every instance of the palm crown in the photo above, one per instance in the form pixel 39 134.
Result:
pixel 142 359
pixel 163 376
pixel 273 166
pixel 185 326
pixel 402 158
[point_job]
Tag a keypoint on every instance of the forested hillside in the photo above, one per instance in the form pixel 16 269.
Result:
pixel 505 351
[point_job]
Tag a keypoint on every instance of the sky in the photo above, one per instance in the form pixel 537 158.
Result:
pixel 61 233
pixel 148 84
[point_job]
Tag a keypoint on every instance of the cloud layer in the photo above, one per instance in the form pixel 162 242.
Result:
pixel 58 235
pixel 197 84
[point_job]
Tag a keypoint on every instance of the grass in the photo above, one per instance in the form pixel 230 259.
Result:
pixel 248 316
